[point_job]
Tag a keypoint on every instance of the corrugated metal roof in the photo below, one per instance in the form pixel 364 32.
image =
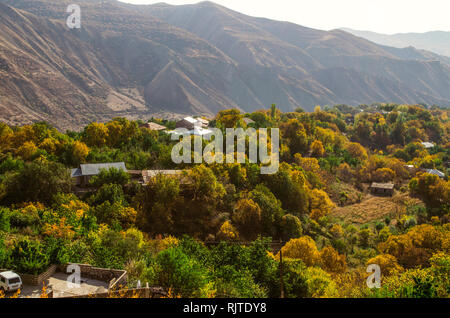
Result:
pixel 435 172
pixel 93 169
pixel 75 173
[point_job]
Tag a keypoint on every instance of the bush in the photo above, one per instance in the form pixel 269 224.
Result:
pixel 28 216
pixel 37 182
pixel 28 257
pixel 111 176
pixel 4 219
pixel 184 275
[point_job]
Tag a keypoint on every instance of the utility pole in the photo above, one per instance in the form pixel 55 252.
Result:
pixel 281 275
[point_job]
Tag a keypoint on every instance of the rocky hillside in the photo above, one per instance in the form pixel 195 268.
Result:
pixel 136 61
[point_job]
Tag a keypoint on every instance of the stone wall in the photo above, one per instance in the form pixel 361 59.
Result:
pixel 145 292
pixel 115 277
pixel 37 280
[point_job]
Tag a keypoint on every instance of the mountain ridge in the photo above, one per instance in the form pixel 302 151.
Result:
pixel 137 61
pixel 437 42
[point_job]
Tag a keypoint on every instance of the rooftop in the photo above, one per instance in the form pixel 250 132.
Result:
pixel 435 172
pixel 93 169
pixel 428 144
pixel 389 186
pixel 153 126
pixel 190 119
pixel 197 131
pixel 248 121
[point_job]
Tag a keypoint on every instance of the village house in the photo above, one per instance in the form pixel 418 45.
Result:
pixel 85 172
pixel 153 126
pixel 435 172
pixel 197 131
pixel 190 123
pixel 382 189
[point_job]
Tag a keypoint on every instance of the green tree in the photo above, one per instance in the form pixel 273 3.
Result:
pixel 37 182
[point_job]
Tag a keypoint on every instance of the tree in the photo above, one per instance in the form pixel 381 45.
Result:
pixel 383 175
pixel 357 151
pixel 96 134
pixel 345 172
pixel 205 184
pixel 317 149
pixel 290 187
pixel 320 204
pixel 27 150
pixel 320 283
pixel 115 214
pixel 388 264
pixel 28 257
pixel 4 219
pixel 290 227
pixel 303 248
pixel 110 176
pixel 157 202
pixel 79 152
pixel 181 273
pixel 273 110
pixel 112 193
pixel 48 179
pixel 415 247
pixel 331 261
pixel 271 211
pixel 434 191
pixel 229 118
pixel 295 133
pixel 247 217
pixel 6 136
pixel 227 232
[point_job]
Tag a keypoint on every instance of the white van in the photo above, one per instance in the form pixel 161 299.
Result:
pixel 10 281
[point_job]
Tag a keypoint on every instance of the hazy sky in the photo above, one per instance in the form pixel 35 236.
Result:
pixel 384 16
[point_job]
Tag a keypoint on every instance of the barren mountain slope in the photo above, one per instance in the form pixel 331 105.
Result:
pixel 135 61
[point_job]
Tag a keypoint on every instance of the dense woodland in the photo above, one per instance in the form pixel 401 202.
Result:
pixel 217 232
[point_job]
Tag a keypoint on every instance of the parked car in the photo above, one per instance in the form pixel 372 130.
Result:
pixel 10 281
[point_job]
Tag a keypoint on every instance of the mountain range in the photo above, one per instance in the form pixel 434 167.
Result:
pixel 140 61
pixel 434 41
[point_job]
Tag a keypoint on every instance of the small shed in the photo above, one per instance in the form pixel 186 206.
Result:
pixel 382 188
